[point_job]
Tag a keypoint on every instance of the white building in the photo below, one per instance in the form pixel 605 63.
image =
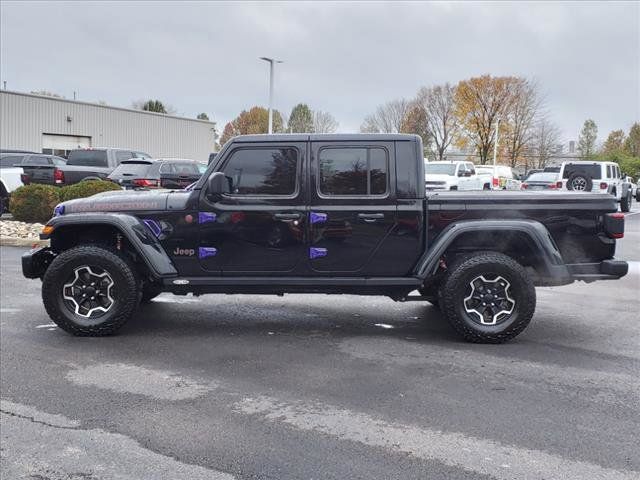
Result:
pixel 56 125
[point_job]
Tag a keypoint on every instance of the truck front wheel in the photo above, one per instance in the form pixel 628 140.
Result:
pixel 90 291
pixel 488 297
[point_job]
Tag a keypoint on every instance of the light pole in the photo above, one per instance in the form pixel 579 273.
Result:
pixel 495 144
pixel 271 61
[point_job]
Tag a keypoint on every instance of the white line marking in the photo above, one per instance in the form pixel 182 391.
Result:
pixel 123 378
pixel 46 325
pixel 172 299
pixel 9 310
pixel 473 454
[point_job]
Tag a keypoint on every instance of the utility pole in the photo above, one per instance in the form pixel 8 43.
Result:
pixel 271 61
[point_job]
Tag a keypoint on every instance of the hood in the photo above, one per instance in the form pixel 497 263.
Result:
pixel 125 201
pixel 438 177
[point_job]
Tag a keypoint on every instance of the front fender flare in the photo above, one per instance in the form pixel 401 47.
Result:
pixel 554 271
pixel 132 228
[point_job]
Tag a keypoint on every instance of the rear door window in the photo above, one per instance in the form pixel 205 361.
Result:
pixel 353 171
pixel 88 158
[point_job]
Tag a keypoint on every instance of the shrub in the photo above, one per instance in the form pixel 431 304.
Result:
pixel 86 189
pixel 34 203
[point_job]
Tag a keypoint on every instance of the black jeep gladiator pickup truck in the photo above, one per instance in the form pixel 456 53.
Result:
pixel 324 214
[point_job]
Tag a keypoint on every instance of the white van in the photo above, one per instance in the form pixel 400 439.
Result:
pixel 499 177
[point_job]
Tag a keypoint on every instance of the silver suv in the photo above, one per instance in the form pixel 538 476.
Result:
pixel 596 177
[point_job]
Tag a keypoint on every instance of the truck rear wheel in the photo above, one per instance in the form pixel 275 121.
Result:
pixel 90 291
pixel 488 298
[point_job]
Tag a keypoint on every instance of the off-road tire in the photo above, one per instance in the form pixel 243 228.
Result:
pixel 125 290
pixel 625 203
pixel 580 178
pixel 149 292
pixel 455 287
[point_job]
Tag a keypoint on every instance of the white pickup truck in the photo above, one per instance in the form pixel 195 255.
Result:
pixel 453 176
pixel 9 177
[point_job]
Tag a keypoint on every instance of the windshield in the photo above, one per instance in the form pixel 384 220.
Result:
pixel 542 177
pixel 10 160
pixel 88 158
pixel 440 168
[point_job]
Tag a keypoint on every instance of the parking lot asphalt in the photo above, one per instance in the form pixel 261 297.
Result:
pixel 323 387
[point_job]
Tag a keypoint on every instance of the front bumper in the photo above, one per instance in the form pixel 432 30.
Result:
pixel 605 270
pixel 35 262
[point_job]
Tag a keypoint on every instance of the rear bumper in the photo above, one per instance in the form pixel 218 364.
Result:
pixel 35 262
pixel 605 270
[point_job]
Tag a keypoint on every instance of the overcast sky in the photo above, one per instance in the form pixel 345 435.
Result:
pixel 344 58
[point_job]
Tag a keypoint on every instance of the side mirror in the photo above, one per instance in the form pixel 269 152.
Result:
pixel 217 185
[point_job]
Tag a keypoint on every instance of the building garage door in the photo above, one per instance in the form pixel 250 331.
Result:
pixel 61 145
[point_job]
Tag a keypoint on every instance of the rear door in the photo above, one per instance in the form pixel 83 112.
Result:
pixel 258 228
pixel 352 207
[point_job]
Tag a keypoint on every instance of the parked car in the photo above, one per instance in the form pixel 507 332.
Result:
pixel 440 176
pixel 82 164
pixel 10 174
pixel 634 187
pixel 597 177
pixel 358 223
pixel 638 191
pixel 158 173
pixel 499 177
pixel 541 181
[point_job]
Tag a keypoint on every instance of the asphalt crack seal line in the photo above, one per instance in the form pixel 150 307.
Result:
pixel 35 444
pixel 472 454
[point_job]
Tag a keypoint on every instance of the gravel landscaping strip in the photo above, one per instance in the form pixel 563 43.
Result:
pixel 20 234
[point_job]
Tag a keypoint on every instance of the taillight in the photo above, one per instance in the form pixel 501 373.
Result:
pixel 495 181
pixel 25 179
pixel 559 184
pixel 603 185
pixel 146 183
pixel 614 225
pixel 58 176
pixel 524 186
pixel 554 186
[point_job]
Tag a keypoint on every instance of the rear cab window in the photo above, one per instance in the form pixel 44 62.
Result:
pixel 179 168
pixel 88 158
pixel 7 161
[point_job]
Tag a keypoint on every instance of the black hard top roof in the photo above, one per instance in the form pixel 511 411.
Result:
pixel 324 137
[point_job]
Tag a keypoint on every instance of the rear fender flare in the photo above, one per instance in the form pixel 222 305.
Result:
pixel 552 265
pixel 132 228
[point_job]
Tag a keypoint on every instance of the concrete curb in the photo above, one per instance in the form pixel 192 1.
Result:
pixel 22 242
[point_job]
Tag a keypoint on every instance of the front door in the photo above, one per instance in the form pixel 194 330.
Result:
pixel 352 207
pixel 258 228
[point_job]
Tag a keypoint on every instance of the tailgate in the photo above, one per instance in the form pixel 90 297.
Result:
pixel 39 173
